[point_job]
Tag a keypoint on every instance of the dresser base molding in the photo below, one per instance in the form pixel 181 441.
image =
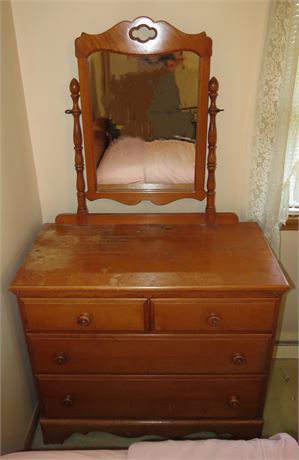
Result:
pixel 57 430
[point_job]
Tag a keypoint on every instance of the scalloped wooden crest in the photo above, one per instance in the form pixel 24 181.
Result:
pixel 142 36
pixel 143 33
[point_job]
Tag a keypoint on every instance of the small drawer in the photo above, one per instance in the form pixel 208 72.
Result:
pixel 217 315
pixel 150 397
pixel 83 315
pixel 162 354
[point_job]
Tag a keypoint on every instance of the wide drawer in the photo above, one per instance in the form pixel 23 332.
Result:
pixel 200 354
pixel 150 397
pixel 213 315
pixel 83 314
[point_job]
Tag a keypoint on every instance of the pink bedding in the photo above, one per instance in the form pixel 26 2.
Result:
pixel 279 447
pixel 123 162
pixel 132 160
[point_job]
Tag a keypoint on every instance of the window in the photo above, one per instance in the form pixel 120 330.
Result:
pixel 291 173
pixel 294 197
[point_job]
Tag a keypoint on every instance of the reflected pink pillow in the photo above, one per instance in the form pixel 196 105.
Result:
pixel 123 162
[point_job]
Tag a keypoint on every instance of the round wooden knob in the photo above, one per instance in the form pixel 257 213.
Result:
pixel 233 402
pixel 238 359
pixel 84 319
pixel 67 401
pixel 214 320
pixel 60 358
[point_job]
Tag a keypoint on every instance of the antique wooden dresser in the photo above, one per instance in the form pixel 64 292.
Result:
pixel 150 324
pixel 150 328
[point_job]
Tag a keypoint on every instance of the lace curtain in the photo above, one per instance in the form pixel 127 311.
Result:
pixel 275 143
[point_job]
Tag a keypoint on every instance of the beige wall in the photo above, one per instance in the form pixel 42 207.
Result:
pixel 21 217
pixel 45 35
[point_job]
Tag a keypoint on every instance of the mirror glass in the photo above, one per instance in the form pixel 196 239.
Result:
pixel 144 116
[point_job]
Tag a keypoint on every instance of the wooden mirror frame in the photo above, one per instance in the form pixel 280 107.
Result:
pixel 166 39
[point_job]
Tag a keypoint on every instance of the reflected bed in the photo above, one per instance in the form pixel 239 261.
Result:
pixel 131 160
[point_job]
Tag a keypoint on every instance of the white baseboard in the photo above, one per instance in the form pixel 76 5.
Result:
pixel 286 349
pixel 31 429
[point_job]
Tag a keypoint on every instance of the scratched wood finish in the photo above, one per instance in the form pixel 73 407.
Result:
pixel 149 259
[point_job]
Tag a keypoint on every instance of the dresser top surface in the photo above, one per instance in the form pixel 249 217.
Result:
pixel 150 257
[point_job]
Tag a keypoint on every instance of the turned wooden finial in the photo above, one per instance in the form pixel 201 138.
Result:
pixel 82 210
pixel 211 164
pixel 213 85
pixel 74 86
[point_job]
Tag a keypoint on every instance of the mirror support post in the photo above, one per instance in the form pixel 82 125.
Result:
pixel 211 163
pixel 82 210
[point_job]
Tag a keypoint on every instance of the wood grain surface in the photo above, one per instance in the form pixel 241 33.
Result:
pixel 148 259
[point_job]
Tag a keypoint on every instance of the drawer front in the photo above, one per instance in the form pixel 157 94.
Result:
pixel 150 354
pixel 213 315
pixel 83 315
pixel 150 397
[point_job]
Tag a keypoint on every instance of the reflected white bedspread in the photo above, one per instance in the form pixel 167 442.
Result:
pixel 132 160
